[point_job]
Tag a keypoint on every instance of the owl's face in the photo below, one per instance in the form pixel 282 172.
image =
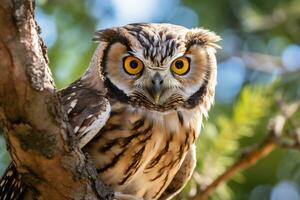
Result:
pixel 160 67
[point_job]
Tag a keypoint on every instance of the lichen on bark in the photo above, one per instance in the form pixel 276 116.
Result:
pixel 38 141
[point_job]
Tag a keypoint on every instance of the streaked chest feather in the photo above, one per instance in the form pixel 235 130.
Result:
pixel 139 153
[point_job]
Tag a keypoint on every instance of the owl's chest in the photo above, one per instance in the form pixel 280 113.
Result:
pixel 139 155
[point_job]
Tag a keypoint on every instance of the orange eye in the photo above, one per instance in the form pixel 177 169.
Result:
pixel 132 65
pixel 181 66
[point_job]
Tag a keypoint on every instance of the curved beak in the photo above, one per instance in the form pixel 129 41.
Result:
pixel 155 90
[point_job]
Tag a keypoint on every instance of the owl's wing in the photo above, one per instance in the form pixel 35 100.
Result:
pixel 182 176
pixel 11 186
pixel 87 110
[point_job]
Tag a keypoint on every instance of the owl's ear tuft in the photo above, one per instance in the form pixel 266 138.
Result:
pixel 105 35
pixel 112 35
pixel 203 37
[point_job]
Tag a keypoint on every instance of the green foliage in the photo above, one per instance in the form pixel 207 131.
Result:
pixel 219 143
pixel 290 167
pixel 222 134
pixel 4 157
pixel 226 135
pixel 75 28
pixel 255 20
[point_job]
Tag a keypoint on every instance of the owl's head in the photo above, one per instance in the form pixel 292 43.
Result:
pixel 159 67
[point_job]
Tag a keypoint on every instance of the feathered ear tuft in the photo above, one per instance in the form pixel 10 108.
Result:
pixel 202 37
pixel 110 35
pixel 105 35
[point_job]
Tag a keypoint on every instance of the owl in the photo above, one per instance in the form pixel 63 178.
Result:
pixel 138 108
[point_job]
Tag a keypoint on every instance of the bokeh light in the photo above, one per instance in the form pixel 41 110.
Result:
pixel 231 75
pixel 291 57
pixel 285 191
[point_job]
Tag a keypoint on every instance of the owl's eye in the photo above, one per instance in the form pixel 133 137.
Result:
pixel 181 66
pixel 132 65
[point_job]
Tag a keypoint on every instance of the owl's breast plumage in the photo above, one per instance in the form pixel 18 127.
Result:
pixel 139 153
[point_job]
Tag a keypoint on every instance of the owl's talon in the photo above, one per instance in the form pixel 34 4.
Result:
pixel 121 196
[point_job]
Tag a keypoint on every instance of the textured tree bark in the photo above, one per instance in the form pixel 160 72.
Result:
pixel 36 129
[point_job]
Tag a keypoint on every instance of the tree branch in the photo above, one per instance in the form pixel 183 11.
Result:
pixel 272 141
pixel 247 160
pixel 34 123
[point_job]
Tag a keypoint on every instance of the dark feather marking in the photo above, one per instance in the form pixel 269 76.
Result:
pixel 115 112
pixel 163 185
pixel 114 161
pixel 108 129
pixel 124 142
pixel 155 160
pixel 157 176
pixel 187 138
pixel 111 35
pixel 128 139
pixel 136 161
pixel 194 136
pixel 132 168
pixel 193 132
pixel 11 187
pixel 180 152
pixel 164 168
pixel 198 96
pixel 138 124
pixel 172 47
pixel 117 141
pixel 180 118
pixel 168 166
pixel 192 42
pixel 111 127
pixel 112 142
pixel 113 90
pixel 139 99
pixel 109 145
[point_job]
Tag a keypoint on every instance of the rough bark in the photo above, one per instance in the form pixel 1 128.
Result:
pixel 35 127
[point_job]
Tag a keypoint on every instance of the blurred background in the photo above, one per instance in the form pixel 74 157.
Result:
pixel 258 72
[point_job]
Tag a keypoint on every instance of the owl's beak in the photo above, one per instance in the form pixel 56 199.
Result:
pixel 156 87
pixel 156 96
